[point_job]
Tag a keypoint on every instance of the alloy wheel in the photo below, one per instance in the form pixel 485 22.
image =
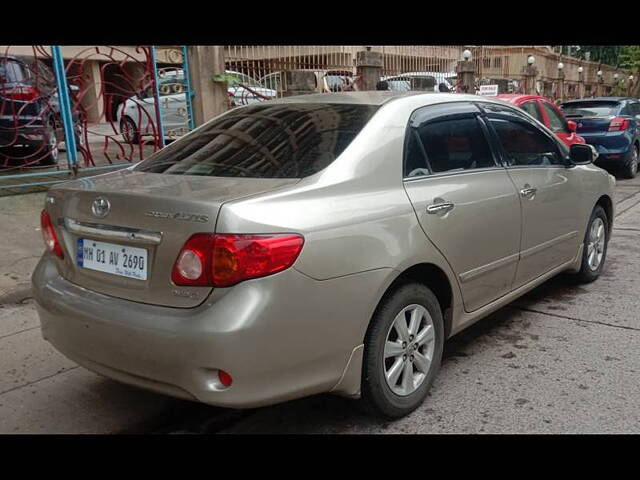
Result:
pixel 408 350
pixel 596 244
pixel 52 143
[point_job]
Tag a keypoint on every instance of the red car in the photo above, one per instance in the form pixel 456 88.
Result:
pixel 548 114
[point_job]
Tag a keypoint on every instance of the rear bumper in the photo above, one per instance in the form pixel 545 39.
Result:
pixel 20 130
pixel 280 337
pixel 614 159
pixel 614 148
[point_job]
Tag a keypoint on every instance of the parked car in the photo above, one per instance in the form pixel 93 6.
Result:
pixel 30 110
pixel 426 81
pixel 137 115
pixel 258 260
pixel 612 126
pixel 548 114
pixel 326 81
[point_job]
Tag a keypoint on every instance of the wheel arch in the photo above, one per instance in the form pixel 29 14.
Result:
pixel 607 204
pixel 425 273
pixel 434 278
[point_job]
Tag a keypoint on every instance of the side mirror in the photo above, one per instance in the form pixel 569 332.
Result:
pixel 582 154
pixel 638 117
pixel 572 126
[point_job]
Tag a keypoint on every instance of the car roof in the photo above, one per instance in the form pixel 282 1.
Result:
pixel 515 97
pixel 381 97
pixel 22 58
pixel 598 99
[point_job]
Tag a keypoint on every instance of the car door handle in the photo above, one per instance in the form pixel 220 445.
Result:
pixel 528 192
pixel 442 207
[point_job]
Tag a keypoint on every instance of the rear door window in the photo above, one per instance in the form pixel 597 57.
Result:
pixel 557 124
pixel 264 141
pixel 532 109
pixel 634 108
pixel 454 145
pixel 399 84
pixel 11 71
pixel 526 145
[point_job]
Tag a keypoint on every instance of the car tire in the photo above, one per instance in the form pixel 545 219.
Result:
pixel 631 169
pixel 50 140
pixel 396 398
pixel 594 245
pixel 80 132
pixel 129 130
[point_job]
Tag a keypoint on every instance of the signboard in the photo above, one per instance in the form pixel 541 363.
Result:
pixel 488 90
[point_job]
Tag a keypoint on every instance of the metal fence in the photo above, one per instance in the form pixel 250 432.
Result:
pixel 335 66
pixel 68 111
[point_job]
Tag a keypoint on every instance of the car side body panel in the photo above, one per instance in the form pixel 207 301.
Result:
pixel 550 223
pixel 487 214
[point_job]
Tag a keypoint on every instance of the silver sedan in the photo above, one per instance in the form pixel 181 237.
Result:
pixel 322 243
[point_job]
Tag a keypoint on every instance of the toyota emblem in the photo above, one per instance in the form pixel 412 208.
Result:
pixel 100 207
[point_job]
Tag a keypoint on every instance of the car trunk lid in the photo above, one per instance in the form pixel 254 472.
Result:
pixel 592 117
pixel 591 125
pixel 151 212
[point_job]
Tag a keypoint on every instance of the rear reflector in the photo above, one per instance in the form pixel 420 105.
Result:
pixel 222 260
pixel 618 124
pixel 49 235
pixel 225 378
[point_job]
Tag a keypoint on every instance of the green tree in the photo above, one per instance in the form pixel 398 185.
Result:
pixel 608 54
pixel 630 60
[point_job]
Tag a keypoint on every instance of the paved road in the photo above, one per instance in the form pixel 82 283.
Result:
pixel 561 359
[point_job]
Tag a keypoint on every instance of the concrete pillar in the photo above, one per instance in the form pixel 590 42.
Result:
pixel 600 87
pixel 580 85
pixel 368 69
pixel 529 73
pixel 561 85
pixel 92 99
pixel 210 98
pixel 298 82
pixel 466 71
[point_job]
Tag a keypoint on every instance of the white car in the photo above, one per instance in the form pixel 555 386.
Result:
pixel 137 115
pixel 326 81
pixel 425 81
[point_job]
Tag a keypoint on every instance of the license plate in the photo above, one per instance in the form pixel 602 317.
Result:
pixel 122 260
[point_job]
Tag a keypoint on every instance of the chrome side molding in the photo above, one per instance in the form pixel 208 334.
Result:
pixel 112 232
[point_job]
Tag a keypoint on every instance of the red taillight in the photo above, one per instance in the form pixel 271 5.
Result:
pixel 23 94
pixel 49 235
pixel 222 260
pixel 618 124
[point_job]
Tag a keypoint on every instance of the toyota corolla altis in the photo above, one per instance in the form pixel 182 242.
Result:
pixel 321 243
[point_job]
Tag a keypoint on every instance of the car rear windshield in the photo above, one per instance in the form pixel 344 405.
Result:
pixel 264 141
pixel 10 71
pixel 591 109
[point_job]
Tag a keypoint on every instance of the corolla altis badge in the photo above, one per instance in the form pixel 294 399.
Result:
pixel 190 217
pixel 100 207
